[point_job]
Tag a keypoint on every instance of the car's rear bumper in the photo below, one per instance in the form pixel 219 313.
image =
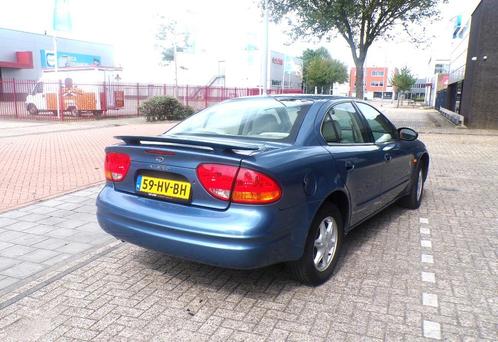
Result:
pixel 241 237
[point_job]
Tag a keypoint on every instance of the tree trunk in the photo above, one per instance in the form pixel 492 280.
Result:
pixel 359 78
pixel 398 96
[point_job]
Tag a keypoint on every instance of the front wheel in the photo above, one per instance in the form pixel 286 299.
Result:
pixel 414 198
pixel 32 109
pixel 322 248
pixel 74 111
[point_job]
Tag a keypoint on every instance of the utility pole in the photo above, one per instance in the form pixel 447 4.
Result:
pixel 175 55
pixel 265 52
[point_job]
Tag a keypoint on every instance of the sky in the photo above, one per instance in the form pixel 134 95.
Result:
pixel 219 28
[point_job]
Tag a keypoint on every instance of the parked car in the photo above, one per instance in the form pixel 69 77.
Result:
pixel 92 89
pixel 262 180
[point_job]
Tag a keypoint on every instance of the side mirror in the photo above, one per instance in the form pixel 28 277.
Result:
pixel 407 134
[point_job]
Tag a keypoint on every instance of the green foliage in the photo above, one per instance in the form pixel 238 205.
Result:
pixel 359 22
pixel 310 54
pixel 164 108
pixel 403 80
pixel 321 70
pixel 169 37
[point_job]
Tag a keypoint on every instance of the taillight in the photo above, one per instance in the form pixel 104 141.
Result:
pixel 217 179
pixel 116 166
pixel 241 185
pixel 254 187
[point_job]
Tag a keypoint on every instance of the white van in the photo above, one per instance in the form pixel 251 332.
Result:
pixel 81 90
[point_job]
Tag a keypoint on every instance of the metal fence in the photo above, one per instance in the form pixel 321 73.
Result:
pixel 29 100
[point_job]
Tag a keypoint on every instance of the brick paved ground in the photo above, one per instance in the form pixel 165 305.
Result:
pixel 404 275
pixel 36 237
pixel 65 157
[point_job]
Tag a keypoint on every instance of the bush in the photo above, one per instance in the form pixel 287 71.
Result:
pixel 164 108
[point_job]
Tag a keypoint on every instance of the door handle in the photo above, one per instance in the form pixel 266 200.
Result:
pixel 387 157
pixel 349 165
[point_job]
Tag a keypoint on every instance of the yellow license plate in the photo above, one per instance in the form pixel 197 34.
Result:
pixel 164 187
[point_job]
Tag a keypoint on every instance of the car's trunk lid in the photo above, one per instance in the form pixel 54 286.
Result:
pixel 175 159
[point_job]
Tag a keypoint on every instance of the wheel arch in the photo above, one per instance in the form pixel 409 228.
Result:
pixel 340 199
pixel 424 161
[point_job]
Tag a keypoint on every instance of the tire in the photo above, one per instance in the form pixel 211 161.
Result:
pixel 305 269
pixel 414 198
pixel 32 110
pixel 97 113
pixel 74 111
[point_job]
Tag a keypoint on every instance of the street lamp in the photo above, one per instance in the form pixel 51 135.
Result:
pixel 265 52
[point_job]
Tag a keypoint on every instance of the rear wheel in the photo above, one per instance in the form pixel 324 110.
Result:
pixel 414 198
pixel 322 248
pixel 97 113
pixel 32 109
pixel 74 111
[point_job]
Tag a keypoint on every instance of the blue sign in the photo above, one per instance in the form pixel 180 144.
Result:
pixel 62 16
pixel 67 59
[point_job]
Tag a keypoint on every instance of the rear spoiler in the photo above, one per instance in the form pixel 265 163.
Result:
pixel 212 144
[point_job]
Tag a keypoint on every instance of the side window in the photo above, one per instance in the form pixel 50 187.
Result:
pixel 341 125
pixel 382 129
pixel 38 88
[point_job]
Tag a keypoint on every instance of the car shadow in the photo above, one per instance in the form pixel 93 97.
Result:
pixel 263 283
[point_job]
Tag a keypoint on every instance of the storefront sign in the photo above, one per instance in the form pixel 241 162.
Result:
pixel 67 59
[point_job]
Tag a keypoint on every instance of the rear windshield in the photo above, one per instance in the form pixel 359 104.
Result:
pixel 262 118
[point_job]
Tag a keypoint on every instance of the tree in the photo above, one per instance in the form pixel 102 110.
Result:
pixel 403 81
pixel 320 70
pixel 310 54
pixel 359 22
pixel 170 41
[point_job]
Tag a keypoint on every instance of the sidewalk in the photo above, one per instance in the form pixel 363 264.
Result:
pixel 16 128
pixel 36 237
pixel 44 160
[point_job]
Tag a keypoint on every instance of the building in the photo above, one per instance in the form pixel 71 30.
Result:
pixel 436 79
pixel 376 83
pixel 417 92
pixel 458 59
pixel 480 86
pixel 243 69
pixel 24 55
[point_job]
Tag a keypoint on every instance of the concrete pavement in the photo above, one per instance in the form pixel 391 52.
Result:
pixel 43 160
pixel 420 275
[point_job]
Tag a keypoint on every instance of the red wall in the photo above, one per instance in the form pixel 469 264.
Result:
pixel 368 79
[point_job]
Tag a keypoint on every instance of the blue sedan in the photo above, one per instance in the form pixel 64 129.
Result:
pixel 262 180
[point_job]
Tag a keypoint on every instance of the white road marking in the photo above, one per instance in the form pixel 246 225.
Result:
pixel 427 258
pixel 425 231
pixel 429 299
pixel 426 243
pixel 428 277
pixel 432 330
pixel 424 220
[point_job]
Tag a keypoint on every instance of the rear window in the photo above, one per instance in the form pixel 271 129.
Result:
pixel 262 118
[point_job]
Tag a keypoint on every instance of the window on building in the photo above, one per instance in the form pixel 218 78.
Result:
pixel 377 73
pixel 441 68
pixel 377 84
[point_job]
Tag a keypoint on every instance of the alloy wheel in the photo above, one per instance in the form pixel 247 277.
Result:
pixel 325 244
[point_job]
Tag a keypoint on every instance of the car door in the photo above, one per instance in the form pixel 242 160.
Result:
pixel 357 159
pixel 38 96
pixel 397 160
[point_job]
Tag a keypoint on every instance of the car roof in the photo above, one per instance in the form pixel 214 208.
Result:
pixel 294 97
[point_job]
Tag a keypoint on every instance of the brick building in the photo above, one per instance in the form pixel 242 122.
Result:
pixel 376 83
pixel 480 86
